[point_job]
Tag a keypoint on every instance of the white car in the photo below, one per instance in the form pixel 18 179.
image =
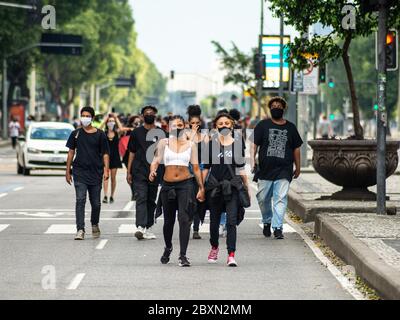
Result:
pixel 43 147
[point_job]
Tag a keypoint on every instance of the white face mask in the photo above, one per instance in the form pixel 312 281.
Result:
pixel 111 125
pixel 86 121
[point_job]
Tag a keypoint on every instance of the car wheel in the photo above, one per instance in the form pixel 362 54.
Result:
pixel 26 172
pixel 19 168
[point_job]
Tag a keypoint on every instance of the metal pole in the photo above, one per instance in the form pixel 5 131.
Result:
pixel 97 99
pixel 32 92
pixel 5 111
pixel 281 58
pixel 381 118
pixel 260 81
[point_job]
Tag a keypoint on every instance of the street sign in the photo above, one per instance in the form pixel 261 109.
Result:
pixel 271 48
pixel 297 83
pixel 188 94
pixel 58 43
pixel 122 82
pixel 310 82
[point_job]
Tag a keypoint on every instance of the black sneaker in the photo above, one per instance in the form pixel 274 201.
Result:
pixel 105 199
pixel 111 200
pixel 183 261
pixel 278 234
pixel 165 257
pixel 267 230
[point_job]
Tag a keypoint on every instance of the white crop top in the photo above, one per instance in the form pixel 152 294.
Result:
pixel 172 158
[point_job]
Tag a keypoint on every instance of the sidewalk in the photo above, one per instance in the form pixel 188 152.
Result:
pixel 4 143
pixel 354 232
pixel 306 191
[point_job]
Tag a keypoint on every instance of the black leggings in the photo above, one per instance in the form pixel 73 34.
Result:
pixel 183 191
pixel 217 206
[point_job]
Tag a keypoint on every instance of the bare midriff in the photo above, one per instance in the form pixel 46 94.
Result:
pixel 176 173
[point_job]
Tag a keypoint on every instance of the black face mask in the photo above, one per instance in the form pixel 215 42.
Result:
pixel 198 129
pixel 149 119
pixel 225 131
pixel 277 113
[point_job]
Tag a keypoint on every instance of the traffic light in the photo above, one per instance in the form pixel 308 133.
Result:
pixel 375 106
pixel 34 15
pixel 331 117
pixel 322 73
pixel 259 66
pixel 331 83
pixel 172 75
pixel 368 6
pixel 391 50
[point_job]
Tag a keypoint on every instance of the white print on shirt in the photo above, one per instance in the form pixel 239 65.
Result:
pixel 277 143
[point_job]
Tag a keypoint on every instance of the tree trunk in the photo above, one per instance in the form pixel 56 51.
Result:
pixel 358 130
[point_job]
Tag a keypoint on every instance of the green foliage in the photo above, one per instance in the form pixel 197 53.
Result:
pixel 238 65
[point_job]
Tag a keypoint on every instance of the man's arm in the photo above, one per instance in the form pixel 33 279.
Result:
pixel 70 157
pixel 253 153
pixel 106 162
pixel 296 155
pixel 129 169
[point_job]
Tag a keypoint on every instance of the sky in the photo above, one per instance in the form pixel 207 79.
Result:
pixel 177 34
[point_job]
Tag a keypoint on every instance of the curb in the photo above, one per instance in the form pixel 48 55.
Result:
pixel 308 212
pixel 368 265
pixel 4 143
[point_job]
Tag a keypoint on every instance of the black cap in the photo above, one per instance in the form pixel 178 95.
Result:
pixel 149 107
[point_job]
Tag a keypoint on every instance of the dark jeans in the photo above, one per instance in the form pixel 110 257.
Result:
pixel 13 142
pixel 217 206
pixel 94 191
pixel 170 207
pixel 146 196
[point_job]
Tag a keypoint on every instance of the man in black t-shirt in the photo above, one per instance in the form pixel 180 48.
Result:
pixel 90 166
pixel 278 143
pixel 142 146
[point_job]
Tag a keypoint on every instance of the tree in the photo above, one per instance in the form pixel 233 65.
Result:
pixel 302 14
pixel 239 67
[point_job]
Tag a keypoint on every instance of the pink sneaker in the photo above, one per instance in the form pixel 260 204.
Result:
pixel 213 255
pixel 231 260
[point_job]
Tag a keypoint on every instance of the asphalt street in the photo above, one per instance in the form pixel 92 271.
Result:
pixel 40 260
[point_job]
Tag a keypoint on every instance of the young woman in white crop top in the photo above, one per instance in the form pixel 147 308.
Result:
pixel 177 191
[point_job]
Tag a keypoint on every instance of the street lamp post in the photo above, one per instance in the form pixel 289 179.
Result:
pixel 260 81
pixel 381 118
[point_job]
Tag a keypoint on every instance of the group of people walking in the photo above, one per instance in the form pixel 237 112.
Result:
pixel 198 170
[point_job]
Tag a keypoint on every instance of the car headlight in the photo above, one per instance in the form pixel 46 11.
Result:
pixel 33 150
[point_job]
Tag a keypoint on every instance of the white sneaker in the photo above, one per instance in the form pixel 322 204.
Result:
pixel 139 234
pixel 149 235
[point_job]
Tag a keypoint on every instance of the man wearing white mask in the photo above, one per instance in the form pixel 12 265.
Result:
pixel 90 166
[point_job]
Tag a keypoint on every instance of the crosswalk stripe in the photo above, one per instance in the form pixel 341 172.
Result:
pixel 61 229
pixel 286 228
pixel 2 195
pixel 127 228
pixel 3 227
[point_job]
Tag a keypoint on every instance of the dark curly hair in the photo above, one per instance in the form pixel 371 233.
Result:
pixel 235 114
pixel 278 99
pixel 194 111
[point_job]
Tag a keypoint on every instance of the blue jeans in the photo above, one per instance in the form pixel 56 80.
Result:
pixel 272 199
pixel 94 197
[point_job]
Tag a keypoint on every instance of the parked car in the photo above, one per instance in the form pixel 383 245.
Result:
pixel 43 147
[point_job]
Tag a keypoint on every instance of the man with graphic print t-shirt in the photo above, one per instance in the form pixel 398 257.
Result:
pixel 278 144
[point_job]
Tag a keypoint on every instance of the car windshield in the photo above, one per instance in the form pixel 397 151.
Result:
pixel 50 133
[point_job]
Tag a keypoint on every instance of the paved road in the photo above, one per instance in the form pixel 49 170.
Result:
pixel 36 246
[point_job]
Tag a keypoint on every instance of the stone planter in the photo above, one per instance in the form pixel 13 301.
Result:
pixel 352 165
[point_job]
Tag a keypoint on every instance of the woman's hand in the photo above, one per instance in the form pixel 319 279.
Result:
pixel 201 195
pixel 152 176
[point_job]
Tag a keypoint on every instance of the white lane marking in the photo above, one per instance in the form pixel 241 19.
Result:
pixel 204 228
pixel 3 227
pixel 344 282
pixel 3 195
pixel 18 189
pixel 102 244
pixel 61 229
pixel 76 281
pixel 128 206
pixel 286 228
pixel 127 228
